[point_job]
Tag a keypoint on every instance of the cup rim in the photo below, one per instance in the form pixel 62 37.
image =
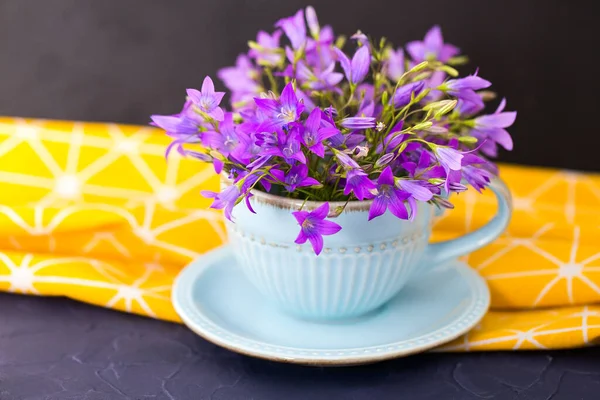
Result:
pixel 286 202
pixel 299 204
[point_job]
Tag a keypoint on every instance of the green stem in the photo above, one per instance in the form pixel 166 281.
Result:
pixel 272 81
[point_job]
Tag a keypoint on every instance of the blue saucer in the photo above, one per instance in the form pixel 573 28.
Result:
pixel 214 299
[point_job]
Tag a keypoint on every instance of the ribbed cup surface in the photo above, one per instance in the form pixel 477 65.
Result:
pixel 341 282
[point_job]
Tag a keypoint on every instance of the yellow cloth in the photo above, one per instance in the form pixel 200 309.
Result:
pixel 93 212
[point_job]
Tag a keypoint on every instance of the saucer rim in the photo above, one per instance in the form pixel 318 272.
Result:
pixel 182 300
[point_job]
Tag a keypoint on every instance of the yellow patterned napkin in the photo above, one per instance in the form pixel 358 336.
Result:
pixel 93 212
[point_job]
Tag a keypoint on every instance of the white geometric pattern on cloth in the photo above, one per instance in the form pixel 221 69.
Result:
pixel 92 211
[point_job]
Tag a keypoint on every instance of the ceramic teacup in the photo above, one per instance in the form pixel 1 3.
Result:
pixel 360 268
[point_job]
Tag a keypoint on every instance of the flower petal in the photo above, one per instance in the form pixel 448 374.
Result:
pixel 501 106
pixel 377 208
pixel 313 121
pixel 361 62
pixel 397 207
pixel 317 243
pixel 269 105
pixel 300 217
pixel 328 228
pixel 501 120
pixel 433 39
pixel 302 238
pixel 218 165
pixel 416 49
pixel 386 177
pixel 320 212
pixel 502 137
pixel 288 96
pixel 344 62
pixel 309 182
pixel 208 86
pixel 417 191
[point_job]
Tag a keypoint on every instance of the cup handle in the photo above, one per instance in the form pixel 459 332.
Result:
pixel 439 252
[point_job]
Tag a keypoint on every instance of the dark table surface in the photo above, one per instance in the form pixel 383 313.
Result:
pixel 54 348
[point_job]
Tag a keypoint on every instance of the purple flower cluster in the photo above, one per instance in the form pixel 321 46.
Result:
pixel 310 118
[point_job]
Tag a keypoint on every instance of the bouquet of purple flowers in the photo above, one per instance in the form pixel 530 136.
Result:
pixel 311 121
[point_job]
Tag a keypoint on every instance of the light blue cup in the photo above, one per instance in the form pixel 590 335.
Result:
pixel 361 267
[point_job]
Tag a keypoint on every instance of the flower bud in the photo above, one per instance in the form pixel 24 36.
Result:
pixel 312 22
pixel 384 160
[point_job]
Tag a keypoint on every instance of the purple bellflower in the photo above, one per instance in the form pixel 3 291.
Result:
pixel 358 182
pixel 425 168
pixel 294 28
pixel 388 197
pixel 242 79
pixel 207 100
pixel 492 126
pixel 175 125
pixel 357 69
pixel 477 171
pixel 281 112
pixel 449 158
pixel 320 80
pixel 313 226
pixel 228 140
pixel 403 94
pixel 432 47
pixel 312 22
pixel 417 189
pixel 395 67
pixel 225 200
pixel 392 139
pixel 319 52
pixel 268 51
pixel 358 122
pixel 471 82
pixel 313 134
pixel 296 177
pixel 464 88
pixel 287 145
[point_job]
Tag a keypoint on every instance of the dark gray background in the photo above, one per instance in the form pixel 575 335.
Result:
pixel 122 60
pixel 56 349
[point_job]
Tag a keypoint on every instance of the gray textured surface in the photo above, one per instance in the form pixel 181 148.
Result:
pixel 55 349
